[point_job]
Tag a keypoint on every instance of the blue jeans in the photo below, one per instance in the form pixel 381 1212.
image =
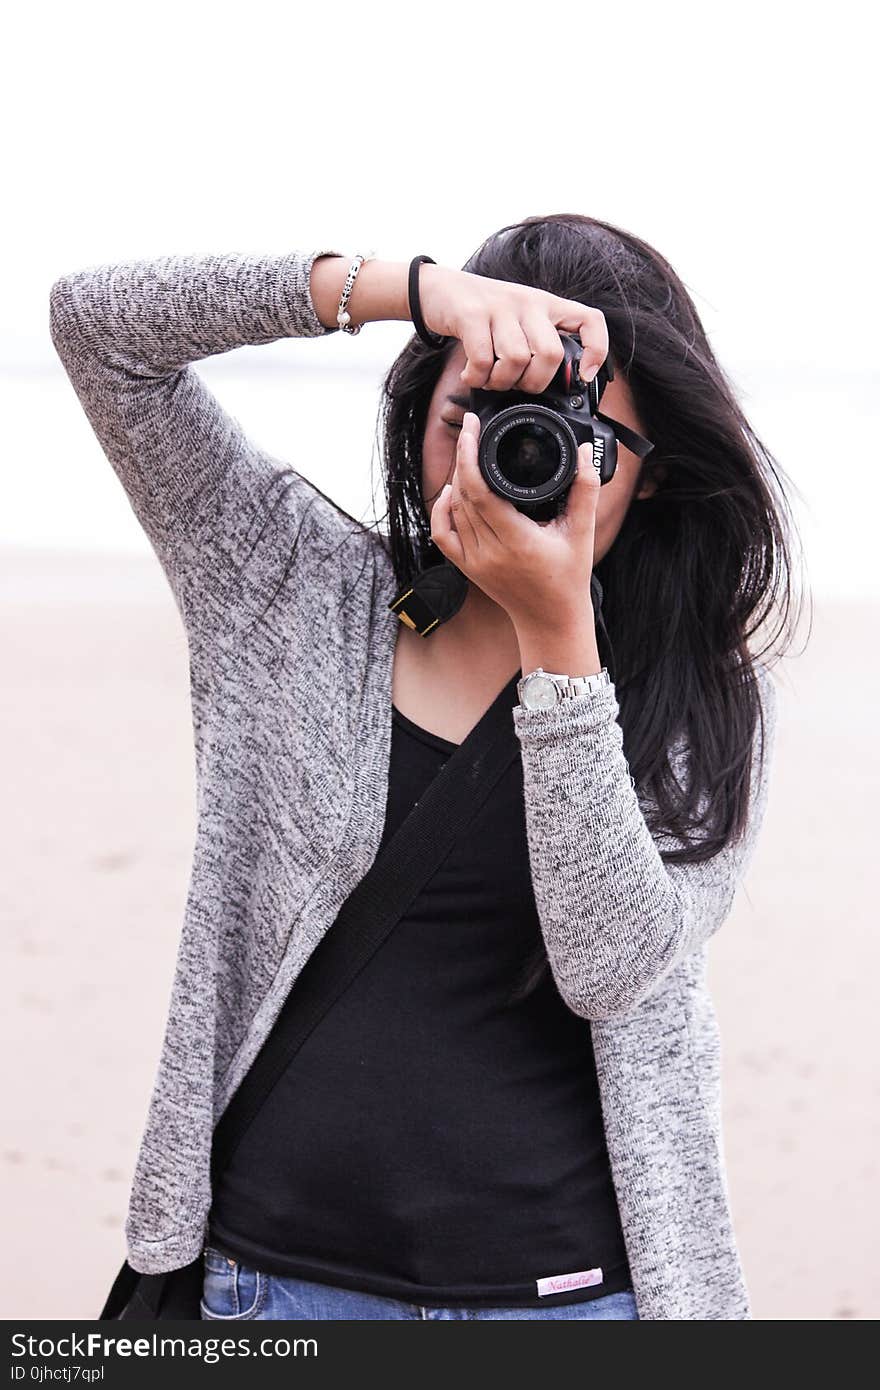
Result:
pixel 235 1292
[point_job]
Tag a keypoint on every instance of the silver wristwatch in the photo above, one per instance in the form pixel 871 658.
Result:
pixel 542 689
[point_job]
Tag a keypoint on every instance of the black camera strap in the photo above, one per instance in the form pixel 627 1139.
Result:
pixel 432 596
pixel 404 864
pixel 636 443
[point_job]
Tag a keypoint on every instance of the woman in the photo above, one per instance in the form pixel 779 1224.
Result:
pixel 514 1110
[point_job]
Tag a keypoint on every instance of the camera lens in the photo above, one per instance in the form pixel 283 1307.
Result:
pixel 528 455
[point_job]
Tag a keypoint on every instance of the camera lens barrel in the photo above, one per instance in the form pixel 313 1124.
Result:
pixel 528 454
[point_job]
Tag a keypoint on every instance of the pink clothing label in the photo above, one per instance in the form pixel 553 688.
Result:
pixel 559 1283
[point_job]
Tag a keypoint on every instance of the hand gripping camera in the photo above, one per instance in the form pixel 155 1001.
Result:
pixel 527 453
pixel 528 443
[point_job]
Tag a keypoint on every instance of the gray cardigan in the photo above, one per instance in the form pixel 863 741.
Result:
pixel 292 731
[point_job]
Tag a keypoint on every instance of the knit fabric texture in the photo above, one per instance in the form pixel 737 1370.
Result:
pixel 291 710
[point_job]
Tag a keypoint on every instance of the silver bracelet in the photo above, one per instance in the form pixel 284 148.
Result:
pixel 343 317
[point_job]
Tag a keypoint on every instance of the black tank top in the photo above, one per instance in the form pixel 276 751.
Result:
pixel 431 1141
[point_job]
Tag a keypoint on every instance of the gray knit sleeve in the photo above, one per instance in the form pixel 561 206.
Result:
pixel 616 919
pixel 126 334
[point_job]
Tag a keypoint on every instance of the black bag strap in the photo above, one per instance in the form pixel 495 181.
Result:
pixel 401 868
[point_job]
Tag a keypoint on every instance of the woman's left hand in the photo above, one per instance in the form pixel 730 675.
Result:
pixel 539 572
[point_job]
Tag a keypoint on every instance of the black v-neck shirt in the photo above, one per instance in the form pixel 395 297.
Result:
pixel 431 1141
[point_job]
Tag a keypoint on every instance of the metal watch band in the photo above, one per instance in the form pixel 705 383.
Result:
pixel 343 317
pixel 566 687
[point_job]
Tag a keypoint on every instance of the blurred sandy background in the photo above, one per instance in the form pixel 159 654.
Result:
pixel 97 828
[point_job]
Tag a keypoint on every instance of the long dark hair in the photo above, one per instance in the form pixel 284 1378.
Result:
pixel 698 569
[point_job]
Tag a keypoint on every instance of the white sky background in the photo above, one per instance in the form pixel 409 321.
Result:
pixel 739 140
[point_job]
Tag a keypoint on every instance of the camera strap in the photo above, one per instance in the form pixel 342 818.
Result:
pixel 431 597
pixel 636 443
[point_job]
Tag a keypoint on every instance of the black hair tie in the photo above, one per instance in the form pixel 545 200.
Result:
pixel 433 340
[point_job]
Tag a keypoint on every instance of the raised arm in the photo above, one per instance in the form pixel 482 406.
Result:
pixel 615 918
pixel 127 333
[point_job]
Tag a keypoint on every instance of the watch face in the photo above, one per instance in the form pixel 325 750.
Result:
pixel 539 692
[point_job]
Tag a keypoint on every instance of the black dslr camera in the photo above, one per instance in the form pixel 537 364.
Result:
pixel 528 443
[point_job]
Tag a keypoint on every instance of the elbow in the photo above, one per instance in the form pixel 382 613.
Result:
pixel 75 327
pixel 75 311
pixel 62 316
pixel 598 1005
pixel 591 1007
pixel 626 981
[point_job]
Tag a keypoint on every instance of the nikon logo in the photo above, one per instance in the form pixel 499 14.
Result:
pixel 598 450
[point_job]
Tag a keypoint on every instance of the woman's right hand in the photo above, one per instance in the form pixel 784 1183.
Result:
pixel 509 332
